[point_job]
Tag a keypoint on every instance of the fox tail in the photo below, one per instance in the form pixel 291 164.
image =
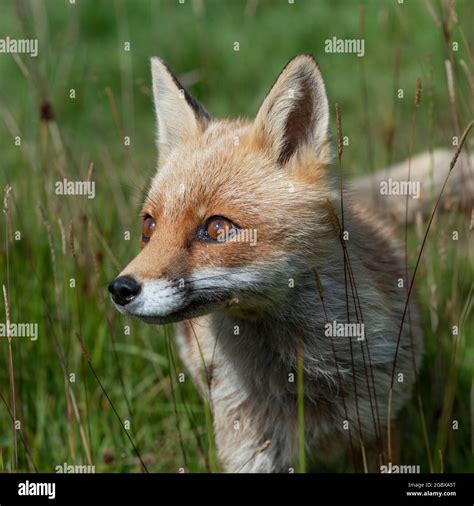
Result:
pixel 385 191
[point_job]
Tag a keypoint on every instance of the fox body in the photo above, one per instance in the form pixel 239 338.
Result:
pixel 250 312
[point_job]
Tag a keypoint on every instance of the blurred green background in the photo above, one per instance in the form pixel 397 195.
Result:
pixel 101 50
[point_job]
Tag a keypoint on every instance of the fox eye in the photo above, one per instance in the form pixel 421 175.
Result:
pixel 148 228
pixel 218 228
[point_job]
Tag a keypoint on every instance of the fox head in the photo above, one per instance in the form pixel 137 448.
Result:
pixel 236 213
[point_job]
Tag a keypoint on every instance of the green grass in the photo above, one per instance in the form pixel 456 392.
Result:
pixel 81 47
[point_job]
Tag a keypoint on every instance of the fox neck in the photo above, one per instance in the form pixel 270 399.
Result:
pixel 261 350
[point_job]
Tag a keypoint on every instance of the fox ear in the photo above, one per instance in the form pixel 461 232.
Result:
pixel 178 114
pixel 295 113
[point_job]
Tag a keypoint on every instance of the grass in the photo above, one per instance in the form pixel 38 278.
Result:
pixel 58 254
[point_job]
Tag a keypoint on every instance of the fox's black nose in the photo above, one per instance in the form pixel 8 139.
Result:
pixel 124 289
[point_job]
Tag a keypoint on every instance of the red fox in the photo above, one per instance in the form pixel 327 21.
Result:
pixel 246 244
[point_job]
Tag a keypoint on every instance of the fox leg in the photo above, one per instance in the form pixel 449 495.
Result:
pixel 195 350
pixel 250 439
